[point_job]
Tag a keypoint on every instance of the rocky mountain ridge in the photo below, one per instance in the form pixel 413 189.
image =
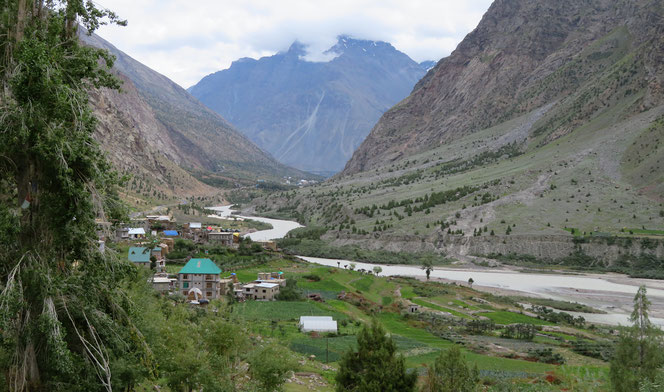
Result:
pixel 312 115
pixel 523 55
pixel 545 128
pixel 161 135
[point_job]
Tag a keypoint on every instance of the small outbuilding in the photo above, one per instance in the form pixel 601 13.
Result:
pixel 317 324
pixel 162 284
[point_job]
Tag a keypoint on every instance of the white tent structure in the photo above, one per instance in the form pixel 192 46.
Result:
pixel 318 324
pixel 195 294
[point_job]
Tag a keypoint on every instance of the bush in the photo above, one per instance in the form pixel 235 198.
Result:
pixel 599 350
pixel 312 277
pixel 290 292
pixel 309 233
pixel 269 367
pixel 184 245
pixel 480 327
pixel 546 355
pixel 519 331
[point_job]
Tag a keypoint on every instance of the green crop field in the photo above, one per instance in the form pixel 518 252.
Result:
pixel 282 310
pixel 417 337
pixel 505 318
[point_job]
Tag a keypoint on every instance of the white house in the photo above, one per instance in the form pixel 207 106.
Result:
pixel 136 232
pixel 318 324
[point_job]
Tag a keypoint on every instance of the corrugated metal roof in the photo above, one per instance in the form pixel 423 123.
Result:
pixel 171 233
pixel 136 230
pixel 139 254
pixel 267 285
pixel 200 266
pixel 195 225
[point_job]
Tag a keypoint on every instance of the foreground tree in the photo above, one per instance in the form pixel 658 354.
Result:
pixel 638 358
pixel 269 368
pixel 374 367
pixel 451 373
pixel 65 323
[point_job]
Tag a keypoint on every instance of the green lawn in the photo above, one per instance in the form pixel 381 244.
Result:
pixel 281 310
pixel 504 317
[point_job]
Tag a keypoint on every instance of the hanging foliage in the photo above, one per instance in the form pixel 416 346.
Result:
pixel 64 321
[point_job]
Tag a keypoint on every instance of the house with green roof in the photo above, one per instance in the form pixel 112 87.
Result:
pixel 140 255
pixel 199 279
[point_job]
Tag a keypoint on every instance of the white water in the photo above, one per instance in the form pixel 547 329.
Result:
pixel 599 291
pixel 279 227
pixel 596 291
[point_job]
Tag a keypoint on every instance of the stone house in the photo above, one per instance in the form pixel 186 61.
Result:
pixel 223 237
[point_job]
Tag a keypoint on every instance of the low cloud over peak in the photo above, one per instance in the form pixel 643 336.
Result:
pixel 187 40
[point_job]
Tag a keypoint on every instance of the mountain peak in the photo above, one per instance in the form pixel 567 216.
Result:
pixel 346 43
pixel 297 48
pixel 312 111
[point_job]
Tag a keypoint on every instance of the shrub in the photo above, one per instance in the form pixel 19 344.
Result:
pixel 546 355
pixel 519 331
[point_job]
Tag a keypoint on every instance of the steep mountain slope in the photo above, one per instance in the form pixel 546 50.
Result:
pixel 541 135
pixel 312 115
pixel 140 145
pixel 580 55
pixel 157 131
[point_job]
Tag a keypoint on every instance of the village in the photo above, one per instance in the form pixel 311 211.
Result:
pixel 200 280
pixel 318 310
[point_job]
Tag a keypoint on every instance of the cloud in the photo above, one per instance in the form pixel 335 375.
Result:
pixel 186 40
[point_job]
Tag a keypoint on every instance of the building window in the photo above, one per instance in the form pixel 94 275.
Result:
pixel 185 276
pixel 185 285
pixel 264 290
pixel 209 293
pixel 209 285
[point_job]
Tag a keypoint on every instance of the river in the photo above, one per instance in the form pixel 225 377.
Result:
pixel 612 293
pixel 279 227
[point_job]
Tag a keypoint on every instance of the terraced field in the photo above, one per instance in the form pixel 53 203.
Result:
pixel 445 318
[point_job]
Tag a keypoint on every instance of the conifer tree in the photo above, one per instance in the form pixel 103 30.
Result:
pixel 451 373
pixel 638 356
pixel 375 366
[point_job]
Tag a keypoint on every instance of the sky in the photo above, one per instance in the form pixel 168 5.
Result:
pixel 187 40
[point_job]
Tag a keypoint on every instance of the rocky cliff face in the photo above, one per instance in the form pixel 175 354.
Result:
pixel 541 135
pixel 579 56
pixel 312 115
pixel 158 132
